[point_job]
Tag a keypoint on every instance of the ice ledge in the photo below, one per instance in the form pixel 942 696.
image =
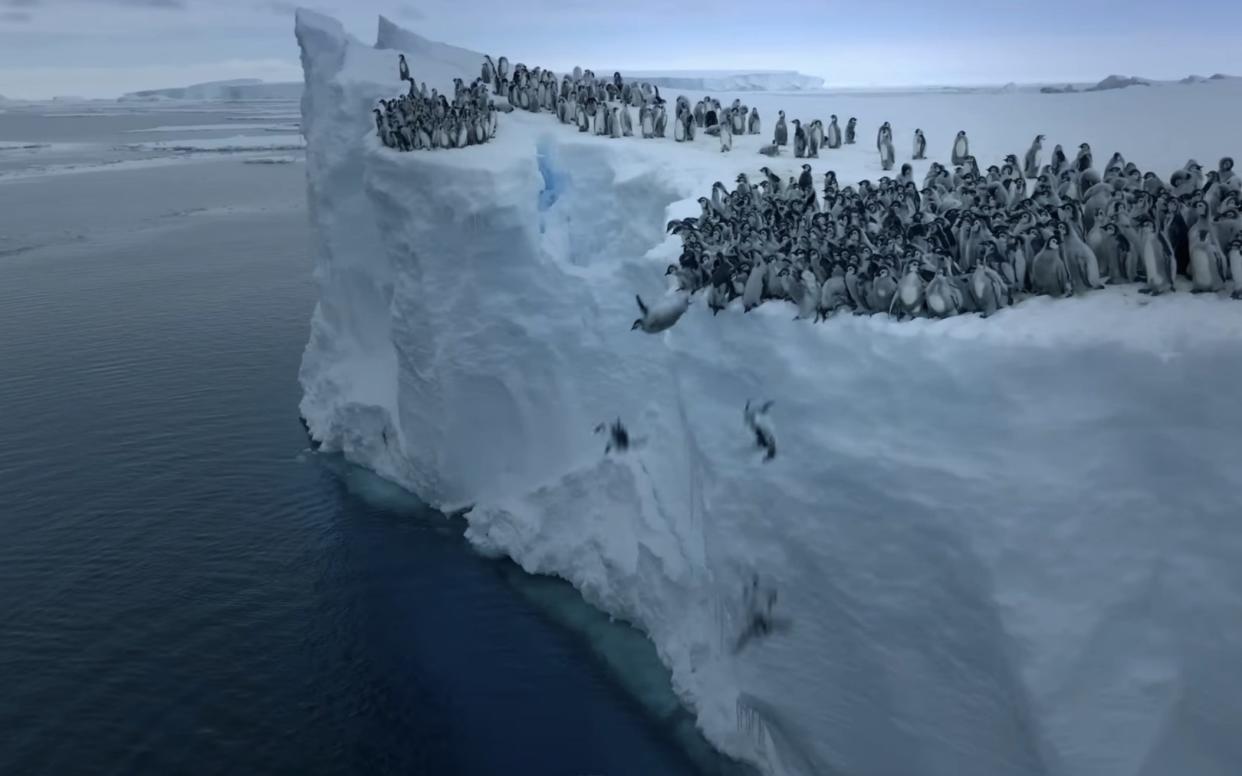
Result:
pixel 1002 544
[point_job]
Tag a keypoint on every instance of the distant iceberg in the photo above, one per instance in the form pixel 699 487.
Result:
pixel 235 90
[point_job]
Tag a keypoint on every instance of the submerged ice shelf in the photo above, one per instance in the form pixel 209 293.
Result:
pixel 1005 546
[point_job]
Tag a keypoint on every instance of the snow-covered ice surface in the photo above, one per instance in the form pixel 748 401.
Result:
pixel 1004 546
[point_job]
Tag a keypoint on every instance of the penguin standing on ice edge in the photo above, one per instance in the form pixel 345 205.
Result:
pixel 920 144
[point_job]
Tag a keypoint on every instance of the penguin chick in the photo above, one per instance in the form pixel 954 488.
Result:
pixel 758 423
pixel 663 315
pixel 618 437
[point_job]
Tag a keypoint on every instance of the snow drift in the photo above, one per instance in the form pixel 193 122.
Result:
pixel 1004 546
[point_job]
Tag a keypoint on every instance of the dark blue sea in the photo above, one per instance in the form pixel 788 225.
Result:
pixel 186 589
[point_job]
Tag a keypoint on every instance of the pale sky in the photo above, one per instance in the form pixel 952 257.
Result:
pixel 102 48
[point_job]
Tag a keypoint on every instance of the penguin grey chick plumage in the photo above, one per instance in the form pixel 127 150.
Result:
pixel 988 289
pixel 1048 273
pixel 760 425
pixel 781 136
pixel 663 314
pixel 1154 263
pixel 887 154
pixel 799 140
pixel 815 139
pixel 627 122
pixel 961 148
pixel 1205 261
pixel 832 136
pixel 403 68
pixel 726 137
pixel 1030 163
pixel 850 129
pixel 1235 267
pixel 753 126
pixel 920 145
pixel 943 297
pixel 614 123
pixel 910 291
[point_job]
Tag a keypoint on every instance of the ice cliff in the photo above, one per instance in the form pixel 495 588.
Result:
pixel 1002 547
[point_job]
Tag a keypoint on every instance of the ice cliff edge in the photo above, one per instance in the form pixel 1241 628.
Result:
pixel 994 555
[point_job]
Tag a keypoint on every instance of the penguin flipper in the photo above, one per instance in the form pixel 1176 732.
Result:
pixel 642 307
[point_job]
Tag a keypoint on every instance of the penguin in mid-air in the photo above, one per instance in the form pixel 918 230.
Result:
pixel 920 145
pixel 663 314
pixel 756 419
pixel 403 68
pixel 618 436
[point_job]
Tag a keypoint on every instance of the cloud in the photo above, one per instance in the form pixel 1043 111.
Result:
pixel 15 17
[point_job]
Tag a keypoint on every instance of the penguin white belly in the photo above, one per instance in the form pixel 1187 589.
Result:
pixel 1201 271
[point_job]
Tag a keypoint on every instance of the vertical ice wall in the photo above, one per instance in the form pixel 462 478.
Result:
pixel 1002 547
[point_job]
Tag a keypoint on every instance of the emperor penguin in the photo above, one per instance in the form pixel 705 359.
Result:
pixel 961 148
pixel 879 135
pixel 726 137
pixel 782 132
pixel 851 127
pixel 1235 267
pixel 1031 163
pixel 663 314
pixel 646 122
pixel 627 122
pixel 679 128
pixel 489 70
pixel 920 145
pixel 1206 267
pixel 1048 273
pixel 799 140
pixel 752 124
pixel 832 137
pixel 1154 264
pixel 614 124
pixel 756 419
pixel 502 68
pixel 815 139
pixel 886 152
pixel 404 69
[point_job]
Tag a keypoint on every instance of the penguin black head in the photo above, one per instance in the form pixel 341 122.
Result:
pixel 1226 164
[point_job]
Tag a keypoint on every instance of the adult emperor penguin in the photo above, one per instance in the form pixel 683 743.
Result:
pixel 782 132
pixel 752 124
pixel 663 314
pixel 1030 165
pixel 920 145
pixel 832 138
pixel 851 127
pixel 403 69
pixel 961 148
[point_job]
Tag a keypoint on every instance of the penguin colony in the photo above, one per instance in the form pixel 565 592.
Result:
pixel 425 120
pixel 967 241
pixel 421 120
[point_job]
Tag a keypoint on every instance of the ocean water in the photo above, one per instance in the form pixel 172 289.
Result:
pixel 184 587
